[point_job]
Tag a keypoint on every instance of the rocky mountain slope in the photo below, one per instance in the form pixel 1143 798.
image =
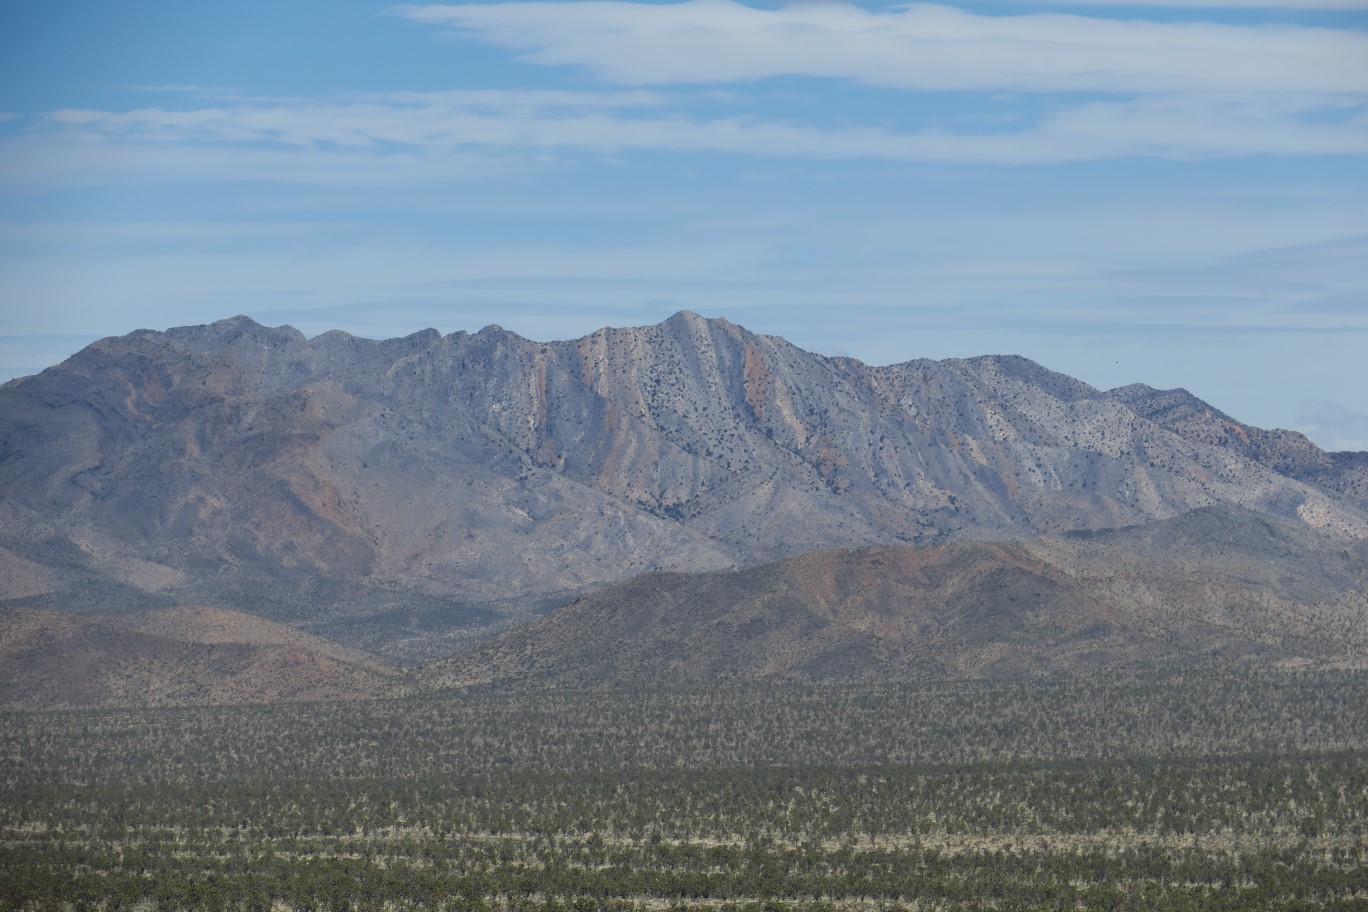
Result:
pixel 1285 452
pixel 1219 583
pixel 415 495
pixel 173 657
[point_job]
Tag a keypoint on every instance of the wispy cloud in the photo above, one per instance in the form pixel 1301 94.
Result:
pixel 377 140
pixel 1340 427
pixel 1357 6
pixel 922 47
pixel 417 119
pixel 1123 89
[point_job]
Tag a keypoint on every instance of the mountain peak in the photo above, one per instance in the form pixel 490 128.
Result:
pixel 691 321
pixel 687 317
pixel 239 322
pixel 232 329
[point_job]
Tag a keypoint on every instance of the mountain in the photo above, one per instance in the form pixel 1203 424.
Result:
pixel 1218 583
pixel 1286 452
pixel 181 656
pixel 415 495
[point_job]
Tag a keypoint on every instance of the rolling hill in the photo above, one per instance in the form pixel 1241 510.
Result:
pixel 1220 583
pixel 171 657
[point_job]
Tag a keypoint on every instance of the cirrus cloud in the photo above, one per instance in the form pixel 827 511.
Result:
pixel 1313 5
pixel 920 47
pixel 433 137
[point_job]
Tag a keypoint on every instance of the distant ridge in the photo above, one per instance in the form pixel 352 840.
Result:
pixel 1219 584
pixel 415 495
pixel 174 657
pixel 1285 452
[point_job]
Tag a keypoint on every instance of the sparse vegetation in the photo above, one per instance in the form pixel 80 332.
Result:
pixel 1212 789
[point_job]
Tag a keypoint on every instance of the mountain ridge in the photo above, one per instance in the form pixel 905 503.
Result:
pixel 446 487
pixel 190 655
pixel 1166 593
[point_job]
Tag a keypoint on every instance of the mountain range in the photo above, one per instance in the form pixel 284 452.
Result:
pixel 415 497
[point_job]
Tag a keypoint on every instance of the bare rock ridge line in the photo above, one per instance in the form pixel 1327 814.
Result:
pixel 415 495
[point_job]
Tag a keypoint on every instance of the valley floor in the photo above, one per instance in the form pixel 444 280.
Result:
pixel 1206 789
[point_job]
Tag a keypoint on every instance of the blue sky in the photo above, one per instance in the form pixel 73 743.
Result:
pixel 1163 192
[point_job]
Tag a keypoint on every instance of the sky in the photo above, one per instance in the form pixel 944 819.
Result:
pixel 1158 191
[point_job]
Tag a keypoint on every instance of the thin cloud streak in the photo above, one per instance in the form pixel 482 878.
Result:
pixel 1344 428
pixel 444 137
pixel 922 47
pixel 1349 6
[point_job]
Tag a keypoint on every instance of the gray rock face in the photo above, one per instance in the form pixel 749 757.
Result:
pixel 452 484
pixel 1286 452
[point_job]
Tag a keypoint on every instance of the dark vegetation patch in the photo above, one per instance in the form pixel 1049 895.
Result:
pixel 1206 789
